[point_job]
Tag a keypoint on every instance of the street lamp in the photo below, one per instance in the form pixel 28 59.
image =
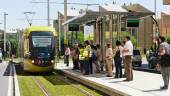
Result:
pixel 5 14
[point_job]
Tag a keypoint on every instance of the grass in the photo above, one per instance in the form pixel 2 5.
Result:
pixel 28 87
pixel 53 85
pixel 65 89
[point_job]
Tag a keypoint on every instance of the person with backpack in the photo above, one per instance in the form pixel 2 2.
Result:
pixel 118 59
pixel 164 52
pixel 96 67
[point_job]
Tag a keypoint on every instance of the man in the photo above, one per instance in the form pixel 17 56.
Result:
pixel 109 60
pixel 76 57
pixel 128 52
pixel 87 55
pixel 164 52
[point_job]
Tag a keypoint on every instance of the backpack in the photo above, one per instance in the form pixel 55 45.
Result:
pixel 117 57
pixel 94 57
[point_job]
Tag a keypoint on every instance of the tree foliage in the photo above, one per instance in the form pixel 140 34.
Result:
pixel 168 39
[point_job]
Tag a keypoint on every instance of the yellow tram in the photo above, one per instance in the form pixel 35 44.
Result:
pixel 38 49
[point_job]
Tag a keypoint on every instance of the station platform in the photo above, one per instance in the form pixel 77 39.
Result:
pixel 144 83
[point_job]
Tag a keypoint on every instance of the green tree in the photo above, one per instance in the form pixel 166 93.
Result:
pixel 168 39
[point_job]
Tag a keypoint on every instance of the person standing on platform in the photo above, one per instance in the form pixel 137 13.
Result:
pixel 128 53
pixel 109 60
pixel 164 52
pixel 67 54
pixel 76 57
pixel 81 58
pixel 99 57
pixel 87 54
pixel 118 59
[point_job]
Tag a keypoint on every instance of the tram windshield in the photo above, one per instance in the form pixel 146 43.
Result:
pixel 41 44
pixel 41 39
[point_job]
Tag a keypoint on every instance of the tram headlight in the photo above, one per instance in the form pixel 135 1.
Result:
pixel 52 61
pixel 32 61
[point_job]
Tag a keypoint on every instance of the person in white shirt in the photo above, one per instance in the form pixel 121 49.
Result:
pixel 128 53
pixel 67 54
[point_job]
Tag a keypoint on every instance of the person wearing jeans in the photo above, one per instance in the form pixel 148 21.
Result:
pixel 118 59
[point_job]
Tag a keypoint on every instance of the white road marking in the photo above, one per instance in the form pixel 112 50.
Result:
pixel 10 83
pixel 17 92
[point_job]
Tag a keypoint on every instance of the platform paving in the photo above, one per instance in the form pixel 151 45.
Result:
pixel 144 83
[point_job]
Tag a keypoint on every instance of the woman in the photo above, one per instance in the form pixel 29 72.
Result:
pixel 99 58
pixel 118 59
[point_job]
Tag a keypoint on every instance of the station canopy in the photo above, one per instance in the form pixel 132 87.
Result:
pixel 70 13
pixel 83 17
pixel 132 9
pixel 138 9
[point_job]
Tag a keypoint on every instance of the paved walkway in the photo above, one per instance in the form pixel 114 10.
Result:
pixel 144 84
pixel 4 78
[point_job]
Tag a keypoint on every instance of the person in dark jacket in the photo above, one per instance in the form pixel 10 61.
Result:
pixel 118 59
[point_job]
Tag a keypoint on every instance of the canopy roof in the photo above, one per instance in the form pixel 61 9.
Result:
pixel 133 9
pixel 113 8
pixel 84 17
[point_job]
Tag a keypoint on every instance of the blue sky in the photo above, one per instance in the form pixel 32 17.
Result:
pixel 16 8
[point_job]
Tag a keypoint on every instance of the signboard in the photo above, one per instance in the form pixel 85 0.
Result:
pixel 73 27
pixel 88 32
pixel 166 2
pixel 132 23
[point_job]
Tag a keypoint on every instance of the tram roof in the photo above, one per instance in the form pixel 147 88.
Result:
pixel 39 28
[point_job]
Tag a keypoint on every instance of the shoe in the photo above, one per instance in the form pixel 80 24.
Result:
pixel 116 77
pixel 86 74
pixel 126 80
pixel 164 87
pixel 108 76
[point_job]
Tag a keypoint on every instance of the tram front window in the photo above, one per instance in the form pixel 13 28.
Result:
pixel 41 44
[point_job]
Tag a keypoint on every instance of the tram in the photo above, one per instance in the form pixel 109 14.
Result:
pixel 38 49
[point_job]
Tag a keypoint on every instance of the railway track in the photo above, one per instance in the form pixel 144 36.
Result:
pixel 55 78
pixel 45 92
pixel 75 86
pixel 40 85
